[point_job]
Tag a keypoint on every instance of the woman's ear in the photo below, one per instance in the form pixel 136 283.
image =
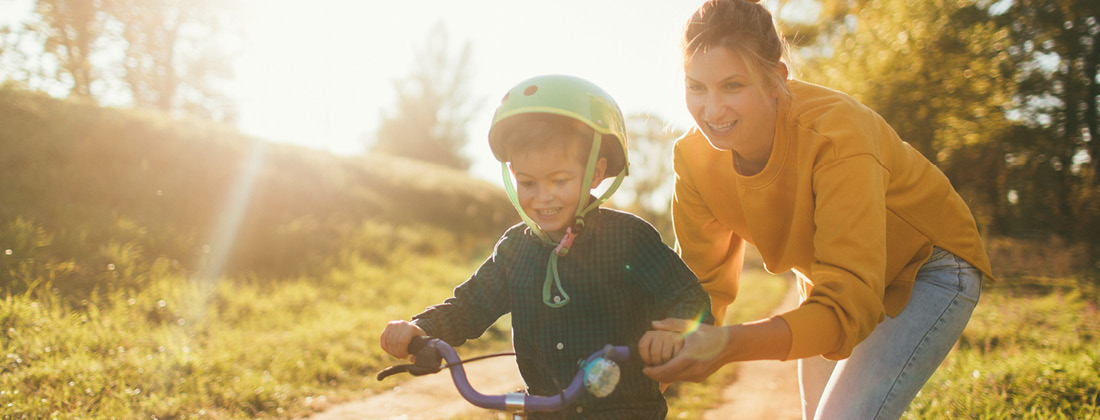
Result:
pixel 598 173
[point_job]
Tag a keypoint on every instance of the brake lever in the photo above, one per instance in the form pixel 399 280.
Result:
pixel 414 369
pixel 426 361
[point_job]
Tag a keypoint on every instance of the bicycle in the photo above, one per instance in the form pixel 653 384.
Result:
pixel 598 374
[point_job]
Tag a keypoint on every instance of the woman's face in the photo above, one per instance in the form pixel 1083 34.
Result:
pixel 734 110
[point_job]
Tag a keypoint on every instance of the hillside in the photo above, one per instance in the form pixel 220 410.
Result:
pixel 86 188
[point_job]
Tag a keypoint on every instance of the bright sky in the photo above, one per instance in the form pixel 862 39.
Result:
pixel 321 73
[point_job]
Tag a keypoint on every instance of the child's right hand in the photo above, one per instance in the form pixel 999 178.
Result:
pixel 658 347
pixel 395 338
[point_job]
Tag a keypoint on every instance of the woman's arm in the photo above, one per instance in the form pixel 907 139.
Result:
pixel 848 275
pixel 711 249
pixel 707 348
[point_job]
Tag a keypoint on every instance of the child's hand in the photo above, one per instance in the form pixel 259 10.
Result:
pixel 395 338
pixel 657 347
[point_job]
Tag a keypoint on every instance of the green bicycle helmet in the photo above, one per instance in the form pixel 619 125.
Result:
pixel 567 96
pixel 581 100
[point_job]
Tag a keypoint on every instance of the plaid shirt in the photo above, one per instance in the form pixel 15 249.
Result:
pixel 619 277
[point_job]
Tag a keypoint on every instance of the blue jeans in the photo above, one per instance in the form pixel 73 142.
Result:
pixel 885 371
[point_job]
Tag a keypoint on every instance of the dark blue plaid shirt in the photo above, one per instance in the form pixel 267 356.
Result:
pixel 619 277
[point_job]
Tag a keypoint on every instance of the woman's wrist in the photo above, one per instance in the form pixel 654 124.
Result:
pixel 766 339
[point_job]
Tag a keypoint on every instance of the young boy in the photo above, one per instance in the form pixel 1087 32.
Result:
pixel 574 276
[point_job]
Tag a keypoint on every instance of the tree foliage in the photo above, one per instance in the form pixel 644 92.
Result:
pixel 72 29
pixel 162 54
pixel 647 190
pixel 171 53
pixel 433 106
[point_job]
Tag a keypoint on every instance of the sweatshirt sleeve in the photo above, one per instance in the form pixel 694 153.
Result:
pixel 848 274
pixel 712 250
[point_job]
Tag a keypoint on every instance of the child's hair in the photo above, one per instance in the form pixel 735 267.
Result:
pixel 539 131
pixel 744 27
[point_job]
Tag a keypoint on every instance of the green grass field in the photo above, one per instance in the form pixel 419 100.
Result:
pixel 236 349
pixel 1031 351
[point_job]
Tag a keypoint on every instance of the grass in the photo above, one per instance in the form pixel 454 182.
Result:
pixel 236 349
pixel 1031 351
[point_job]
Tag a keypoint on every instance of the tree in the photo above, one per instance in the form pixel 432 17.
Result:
pixel 647 191
pixel 71 29
pixel 164 53
pixel 172 54
pixel 1056 48
pixel 433 107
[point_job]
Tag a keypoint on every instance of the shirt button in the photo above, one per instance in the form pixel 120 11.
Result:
pixel 560 346
pixel 557 299
pixel 580 410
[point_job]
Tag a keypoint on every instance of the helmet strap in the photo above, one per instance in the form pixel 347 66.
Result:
pixel 584 207
pixel 514 198
pixel 553 280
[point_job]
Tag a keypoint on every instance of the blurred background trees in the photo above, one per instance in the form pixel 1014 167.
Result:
pixel 166 55
pixel 647 191
pixel 433 107
pixel 1001 94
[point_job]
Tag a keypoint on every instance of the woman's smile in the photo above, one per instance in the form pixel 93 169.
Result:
pixel 730 104
pixel 721 129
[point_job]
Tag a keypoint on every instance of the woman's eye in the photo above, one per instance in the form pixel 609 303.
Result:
pixel 733 86
pixel 694 88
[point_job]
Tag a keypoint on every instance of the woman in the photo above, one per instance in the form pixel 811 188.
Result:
pixel 888 256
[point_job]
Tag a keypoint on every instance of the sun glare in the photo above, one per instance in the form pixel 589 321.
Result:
pixel 321 73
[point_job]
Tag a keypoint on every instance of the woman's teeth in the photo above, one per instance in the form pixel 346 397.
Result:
pixel 548 212
pixel 722 127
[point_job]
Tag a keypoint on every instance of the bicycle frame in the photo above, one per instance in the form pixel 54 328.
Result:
pixel 429 350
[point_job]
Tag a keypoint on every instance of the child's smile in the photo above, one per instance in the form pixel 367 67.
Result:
pixel 548 183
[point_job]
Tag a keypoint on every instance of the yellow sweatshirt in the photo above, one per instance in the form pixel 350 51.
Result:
pixel 843 202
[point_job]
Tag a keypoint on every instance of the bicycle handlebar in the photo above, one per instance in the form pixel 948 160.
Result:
pixel 429 350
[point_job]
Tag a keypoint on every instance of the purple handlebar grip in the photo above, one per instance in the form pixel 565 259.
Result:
pixel 531 403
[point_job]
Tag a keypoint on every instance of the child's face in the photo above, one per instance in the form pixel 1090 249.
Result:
pixel 548 184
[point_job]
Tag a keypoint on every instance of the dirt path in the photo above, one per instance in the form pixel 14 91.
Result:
pixel 430 397
pixel 765 390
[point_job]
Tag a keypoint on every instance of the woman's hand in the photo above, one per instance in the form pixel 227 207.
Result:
pixel 707 348
pixel 395 338
pixel 700 355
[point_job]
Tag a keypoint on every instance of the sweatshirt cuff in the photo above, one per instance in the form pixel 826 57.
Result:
pixel 815 330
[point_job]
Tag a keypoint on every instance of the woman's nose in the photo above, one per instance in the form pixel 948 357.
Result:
pixel 712 106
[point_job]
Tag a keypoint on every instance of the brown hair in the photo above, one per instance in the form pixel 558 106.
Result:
pixel 744 27
pixel 540 131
